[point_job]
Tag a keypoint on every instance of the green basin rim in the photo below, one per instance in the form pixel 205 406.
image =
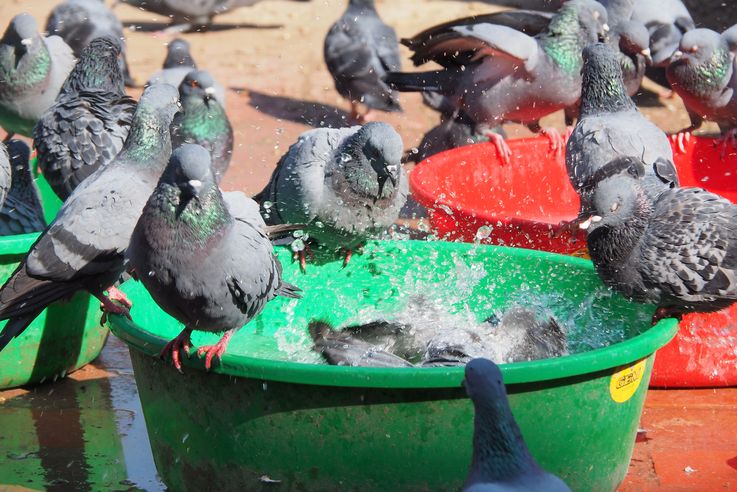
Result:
pixel 18 244
pixel 618 354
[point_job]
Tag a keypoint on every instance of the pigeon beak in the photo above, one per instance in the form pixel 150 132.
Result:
pixel 195 186
pixel 677 55
pixel 587 223
pixel 605 27
pixel 26 41
pixel 648 57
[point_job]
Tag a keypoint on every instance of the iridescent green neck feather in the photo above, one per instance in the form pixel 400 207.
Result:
pixel 563 40
pixel 200 121
pixel 704 78
pixel 195 221
pixel 149 141
pixel 31 70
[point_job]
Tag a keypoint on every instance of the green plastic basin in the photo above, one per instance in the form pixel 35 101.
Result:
pixel 64 337
pixel 261 416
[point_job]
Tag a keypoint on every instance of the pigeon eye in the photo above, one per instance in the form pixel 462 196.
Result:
pixel 614 206
pixel 694 49
pixel 194 84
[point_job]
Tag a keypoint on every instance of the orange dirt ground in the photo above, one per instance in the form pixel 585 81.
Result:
pixel 270 58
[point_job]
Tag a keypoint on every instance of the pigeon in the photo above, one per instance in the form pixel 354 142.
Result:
pixel 344 184
pixel 188 15
pixel 666 21
pixel 5 172
pixel 521 335
pixel 78 22
pixel 89 121
pixel 701 72
pixel 501 461
pixel 203 121
pixel 83 248
pixel 21 211
pixel 177 64
pixel 678 251
pixel 632 40
pixel 610 126
pixel 32 71
pixel 360 49
pixel 201 257
pixel 495 73
pixel 449 134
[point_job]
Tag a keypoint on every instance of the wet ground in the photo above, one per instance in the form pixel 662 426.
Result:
pixel 87 431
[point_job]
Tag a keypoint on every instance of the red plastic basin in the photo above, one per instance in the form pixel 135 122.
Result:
pixel 471 195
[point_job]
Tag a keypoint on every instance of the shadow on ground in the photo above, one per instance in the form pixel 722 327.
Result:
pixel 310 113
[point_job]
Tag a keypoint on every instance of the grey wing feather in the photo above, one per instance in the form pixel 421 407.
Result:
pixel 690 249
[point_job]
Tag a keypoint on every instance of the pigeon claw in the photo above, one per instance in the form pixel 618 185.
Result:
pixel 182 341
pixel 109 307
pixel 115 294
pixel 557 140
pixel 505 153
pixel 681 139
pixel 728 139
pixel 217 350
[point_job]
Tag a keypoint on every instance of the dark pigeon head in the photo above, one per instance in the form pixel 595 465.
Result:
pixel 199 84
pixel 98 67
pixel 602 87
pixel 619 199
pixel 592 19
pixel 484 383
pixel 178 55
pixel 634 39
pixel 190 170
pixel 383 148
pixel 699 46
pixel 22 34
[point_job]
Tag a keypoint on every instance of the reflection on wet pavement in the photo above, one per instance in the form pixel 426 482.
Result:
pixel 84 433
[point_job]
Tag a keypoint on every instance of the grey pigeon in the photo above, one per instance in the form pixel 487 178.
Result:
pixel 678 251
pixel 5 173
pixel 89 121
pixel 202 259
pixel 449 134
pixel 78 22
pixel 521 335
pixel 32 70
pixel 501 461
pixel 667 21
pixel 345 184
pixel 611 126
pixel 21 212
pixel 632 40
pixel 189 15
pixel 702 73
pixel 203 121
pixel 84 247
pixel 494 73
pixel 359 50
pixel 177 64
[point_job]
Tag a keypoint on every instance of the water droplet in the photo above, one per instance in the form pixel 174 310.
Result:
pixel 319 224
pixel 151 273
pixel 279 131
pixel 298 245
pixel 267 204
pixel 345 158
pixel 483 232
pixel 185 437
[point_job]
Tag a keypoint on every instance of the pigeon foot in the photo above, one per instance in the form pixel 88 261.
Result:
pixel 349 254
pixel 115 294
pixel 182 341
pixel 301 256
pixel 728 139
pixel 557 141
pixel 109 307
pixel 217 350
pixel 501 145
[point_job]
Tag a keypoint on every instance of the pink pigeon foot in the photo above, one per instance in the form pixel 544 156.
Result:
pixel 182 341
pixel 501 145
pixel 349 254
pixel 217 350
pixel 115 294
pixel 109 307
pixel 728 139
pixel 681 139
pixel 557 142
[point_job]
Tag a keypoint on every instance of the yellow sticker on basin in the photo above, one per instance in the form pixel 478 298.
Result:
pixel 624 383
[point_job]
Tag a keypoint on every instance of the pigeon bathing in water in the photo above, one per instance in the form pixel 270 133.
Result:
pixel 611 126
pixel 677 251
pixel 346 185
pixel 84 247
pixel 21 211
pixel 520 335
pixel 203 258
pixel 359 50
pixel 203 121
pixel 87 125
pixel 177 64
pixel 494 73
pixel 501 461
pixel 32 70
pixel 78 22
pixel 702 73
